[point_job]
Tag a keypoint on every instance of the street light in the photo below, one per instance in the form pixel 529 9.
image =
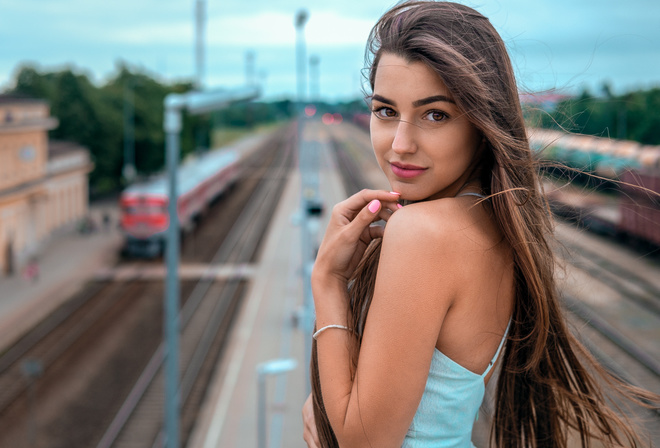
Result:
pixel 196 102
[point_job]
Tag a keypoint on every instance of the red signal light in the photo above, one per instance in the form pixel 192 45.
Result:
pixel 327 118
pixel 310 110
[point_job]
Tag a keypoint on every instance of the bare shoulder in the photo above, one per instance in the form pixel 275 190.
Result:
pixel 427 242
pixel 440 221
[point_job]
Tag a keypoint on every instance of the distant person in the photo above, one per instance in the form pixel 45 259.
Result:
pixel 87 225
pixel 412 317
pixel 31 272
pixel 106 221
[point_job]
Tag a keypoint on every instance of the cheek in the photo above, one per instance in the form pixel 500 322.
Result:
pixel 465 144
pixel 379 141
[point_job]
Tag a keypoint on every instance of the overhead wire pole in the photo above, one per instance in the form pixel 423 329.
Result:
pixel 309 202
pixel 200 16
pixel 250 78
pixel 314 78
pixel 129 130
pixel 301 60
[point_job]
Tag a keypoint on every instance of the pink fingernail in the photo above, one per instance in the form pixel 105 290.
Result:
pixel 394 192
pixel 399 206
pixel 374 206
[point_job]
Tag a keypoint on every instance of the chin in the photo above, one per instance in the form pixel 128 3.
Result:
pixel 411 196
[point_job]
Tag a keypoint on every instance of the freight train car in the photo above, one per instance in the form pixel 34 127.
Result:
pixel 640 205
pixel 201 179
pixel 604 157
pixel 629 170
pixel 631 213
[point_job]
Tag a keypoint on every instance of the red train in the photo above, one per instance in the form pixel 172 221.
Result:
pixel 201 179
pixel 640 207
pixel 632 212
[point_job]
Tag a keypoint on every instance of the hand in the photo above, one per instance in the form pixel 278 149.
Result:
pixel 310 435
pixel 350 231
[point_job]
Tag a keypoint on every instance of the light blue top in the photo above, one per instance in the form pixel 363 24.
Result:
pixel 449 405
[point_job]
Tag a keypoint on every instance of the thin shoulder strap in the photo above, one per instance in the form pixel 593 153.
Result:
pixel 470 193
pixel 497 353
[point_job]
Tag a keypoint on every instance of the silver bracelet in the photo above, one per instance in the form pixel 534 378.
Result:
pixel 321 330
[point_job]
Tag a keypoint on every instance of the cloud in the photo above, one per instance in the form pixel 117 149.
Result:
pixel 265 29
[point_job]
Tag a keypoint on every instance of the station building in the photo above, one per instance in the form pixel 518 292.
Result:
pixel 43 183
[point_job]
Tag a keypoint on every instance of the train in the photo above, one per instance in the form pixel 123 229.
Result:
pixel 615 186
pixel 630 214
pixel 603 157
pixel 201 178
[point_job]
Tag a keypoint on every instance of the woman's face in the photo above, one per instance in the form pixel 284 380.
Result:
pixel 424 144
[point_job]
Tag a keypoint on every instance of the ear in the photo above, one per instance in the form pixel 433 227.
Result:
pixel 482 145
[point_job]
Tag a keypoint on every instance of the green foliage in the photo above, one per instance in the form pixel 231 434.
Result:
pixel 630 116
pixel 95 117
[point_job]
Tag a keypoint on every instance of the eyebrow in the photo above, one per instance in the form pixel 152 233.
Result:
pixel 432 99
pixel 417 103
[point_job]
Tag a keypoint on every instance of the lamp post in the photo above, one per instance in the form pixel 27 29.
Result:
pixel 196 103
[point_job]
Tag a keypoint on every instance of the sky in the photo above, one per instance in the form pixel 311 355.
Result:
pixel 565 45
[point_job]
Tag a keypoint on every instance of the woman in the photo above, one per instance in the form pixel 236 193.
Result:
pixel 411 317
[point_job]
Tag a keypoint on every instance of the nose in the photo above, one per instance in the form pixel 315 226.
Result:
pixel 404 138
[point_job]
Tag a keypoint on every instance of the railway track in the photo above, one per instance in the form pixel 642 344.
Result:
pixel 625 281
pixel 85 352
pixel 50 340
pixel 623 302
pixel 205 320
pixel 350 174
pixel 618 320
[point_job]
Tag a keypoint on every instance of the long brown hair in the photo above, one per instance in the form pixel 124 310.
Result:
pixel 543 391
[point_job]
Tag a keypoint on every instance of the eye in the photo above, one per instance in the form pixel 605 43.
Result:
pixel 384 112
pixel 436 115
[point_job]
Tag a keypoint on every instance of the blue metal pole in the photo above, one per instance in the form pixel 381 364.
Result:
pixel 129 132
pixel 172 128
pixel 308 304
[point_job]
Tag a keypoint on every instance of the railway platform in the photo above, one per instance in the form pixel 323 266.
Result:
pixel 66 262
pixel 266 330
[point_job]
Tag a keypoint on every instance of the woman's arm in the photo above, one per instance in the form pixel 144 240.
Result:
pixel 414 289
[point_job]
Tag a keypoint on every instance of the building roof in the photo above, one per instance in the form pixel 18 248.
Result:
pixel 19 98
pixel 58 148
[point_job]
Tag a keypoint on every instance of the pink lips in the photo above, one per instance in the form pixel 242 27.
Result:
pixel 406 171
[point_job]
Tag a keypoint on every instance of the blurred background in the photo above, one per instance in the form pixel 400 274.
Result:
pixel 82 56
pixel 88 292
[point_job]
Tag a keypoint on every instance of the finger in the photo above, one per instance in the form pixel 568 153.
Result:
pixel 376 231
pixel 359 200
pixel 315 436
pixel 310 434
pixel 387 209
pixel 361 225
